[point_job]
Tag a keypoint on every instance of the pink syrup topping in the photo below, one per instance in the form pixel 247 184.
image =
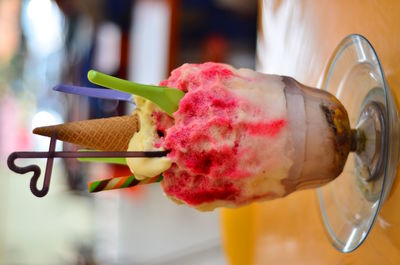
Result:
pixel 206 137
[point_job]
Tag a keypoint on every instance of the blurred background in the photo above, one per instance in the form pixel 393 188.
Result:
pixel 47 42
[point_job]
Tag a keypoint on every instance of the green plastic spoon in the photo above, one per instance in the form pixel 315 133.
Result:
pixel 165 97
pixel 107 160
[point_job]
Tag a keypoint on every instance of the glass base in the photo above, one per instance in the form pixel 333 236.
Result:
pixel 349 205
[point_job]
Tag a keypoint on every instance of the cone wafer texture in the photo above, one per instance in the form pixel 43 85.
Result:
pixel 108 134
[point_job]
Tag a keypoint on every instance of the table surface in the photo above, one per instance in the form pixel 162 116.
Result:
pixel 297 38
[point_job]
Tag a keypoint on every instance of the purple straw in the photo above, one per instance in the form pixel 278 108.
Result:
pixel 94 92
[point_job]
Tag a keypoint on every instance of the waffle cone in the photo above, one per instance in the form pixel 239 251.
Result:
pixel 108 134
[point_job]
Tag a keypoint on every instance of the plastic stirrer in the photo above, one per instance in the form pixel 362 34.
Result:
pixel 165 97
pixel 51 154
pixel 94 92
